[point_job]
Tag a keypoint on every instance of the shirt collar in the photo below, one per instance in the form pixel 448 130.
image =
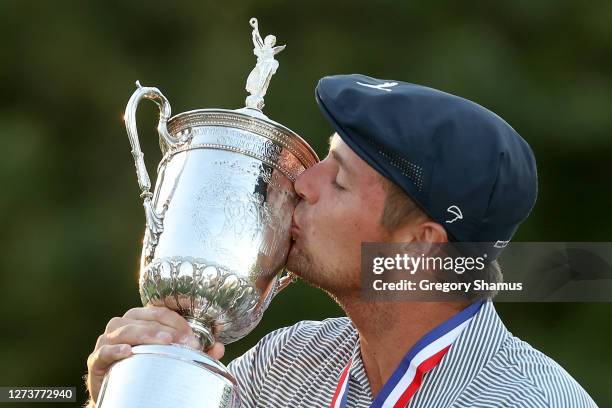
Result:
pixel 358 373
pixel 470 352
pixel 468 355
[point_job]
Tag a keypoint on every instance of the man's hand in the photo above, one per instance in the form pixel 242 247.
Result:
pixel 141 325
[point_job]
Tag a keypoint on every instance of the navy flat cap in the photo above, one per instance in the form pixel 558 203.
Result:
pixel 462 164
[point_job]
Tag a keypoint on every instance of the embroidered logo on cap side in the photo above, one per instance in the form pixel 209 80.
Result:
pixel 381 87
pixel 456 211
pixel 501 244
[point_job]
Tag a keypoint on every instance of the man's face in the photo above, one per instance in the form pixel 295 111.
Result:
pixel 342 200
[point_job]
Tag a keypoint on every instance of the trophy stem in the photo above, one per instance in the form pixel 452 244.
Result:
pixel 203 333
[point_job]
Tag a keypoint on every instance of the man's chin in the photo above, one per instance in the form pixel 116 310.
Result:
pixel 295 261
pixel 300 263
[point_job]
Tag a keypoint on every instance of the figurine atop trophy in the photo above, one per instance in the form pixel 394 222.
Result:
pixel 259 78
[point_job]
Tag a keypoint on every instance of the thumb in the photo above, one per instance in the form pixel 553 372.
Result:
pixel 216 351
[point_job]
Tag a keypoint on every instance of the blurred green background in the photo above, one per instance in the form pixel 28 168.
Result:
pixel 71 217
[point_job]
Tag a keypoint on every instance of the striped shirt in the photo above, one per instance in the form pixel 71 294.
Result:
pixel 299 366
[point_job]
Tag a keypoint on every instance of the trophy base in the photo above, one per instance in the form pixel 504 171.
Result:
pixel 161 376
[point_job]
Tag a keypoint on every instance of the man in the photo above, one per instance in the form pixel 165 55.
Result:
pixel 406 164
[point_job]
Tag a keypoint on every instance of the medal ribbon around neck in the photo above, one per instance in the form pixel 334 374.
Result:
pixel 421 358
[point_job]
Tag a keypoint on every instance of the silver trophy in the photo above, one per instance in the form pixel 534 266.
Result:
pixel 216 238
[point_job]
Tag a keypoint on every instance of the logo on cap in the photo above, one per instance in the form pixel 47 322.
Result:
pixel 501 244
pixel 381 87
pixel 456 211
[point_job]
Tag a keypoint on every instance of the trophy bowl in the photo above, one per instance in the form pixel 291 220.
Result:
pixel 222 211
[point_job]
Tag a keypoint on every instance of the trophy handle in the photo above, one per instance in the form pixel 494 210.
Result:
pixel 154 221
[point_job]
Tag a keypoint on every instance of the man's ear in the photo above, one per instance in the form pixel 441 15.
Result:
pixel 432 232
pixel 420 231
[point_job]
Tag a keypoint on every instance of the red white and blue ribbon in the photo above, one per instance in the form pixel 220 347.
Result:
pixel 422 357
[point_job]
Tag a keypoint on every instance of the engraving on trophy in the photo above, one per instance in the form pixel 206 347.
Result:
pixel 259 78
pixel 255 169
pixel 226 397
pixel 247 142
pixel 286 161
pixel 282 137
pixel 247 215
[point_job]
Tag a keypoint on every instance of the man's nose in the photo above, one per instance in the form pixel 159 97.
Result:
pixel 305 185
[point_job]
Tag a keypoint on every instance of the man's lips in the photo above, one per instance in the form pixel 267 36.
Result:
pixel 294 230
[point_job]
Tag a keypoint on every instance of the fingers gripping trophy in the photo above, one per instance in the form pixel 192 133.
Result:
pixel 216 237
